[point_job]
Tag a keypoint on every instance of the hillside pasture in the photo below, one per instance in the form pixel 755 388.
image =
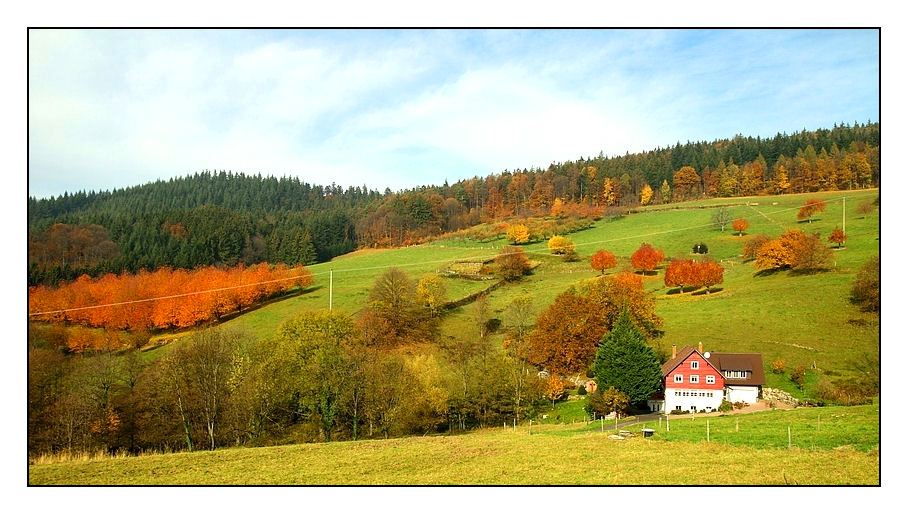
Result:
pixel 515 456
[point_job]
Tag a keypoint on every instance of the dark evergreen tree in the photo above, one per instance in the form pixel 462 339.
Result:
pixel 624 361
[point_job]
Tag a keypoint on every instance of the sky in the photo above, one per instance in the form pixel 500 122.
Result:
pixel 402 108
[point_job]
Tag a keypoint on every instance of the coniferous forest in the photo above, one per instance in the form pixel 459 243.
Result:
pixel 222 218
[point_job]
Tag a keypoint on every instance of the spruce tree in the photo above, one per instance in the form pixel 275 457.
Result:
pixel 624 361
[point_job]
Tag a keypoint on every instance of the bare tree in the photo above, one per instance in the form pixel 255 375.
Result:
pixel 722 217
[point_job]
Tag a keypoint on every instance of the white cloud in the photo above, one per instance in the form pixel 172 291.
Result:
pixel 111 109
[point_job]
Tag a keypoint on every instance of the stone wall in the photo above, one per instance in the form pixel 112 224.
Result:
pixel 778 395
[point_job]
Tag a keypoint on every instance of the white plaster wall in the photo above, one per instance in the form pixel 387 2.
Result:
pixel 672 401
pixel 746 394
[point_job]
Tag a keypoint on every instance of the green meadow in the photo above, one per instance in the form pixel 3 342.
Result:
pixel 803 319
pixel 841 451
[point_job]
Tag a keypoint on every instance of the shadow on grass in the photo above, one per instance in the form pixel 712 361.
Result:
pixel 712 291
pixel 807 272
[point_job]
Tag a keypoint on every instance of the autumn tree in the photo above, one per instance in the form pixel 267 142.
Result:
pixel 432 293
pixel 610 192
pixel 512 263
pixel 646 258
pixel 557 208
pixel 711 273
pixel 811 207
pixel 780 180
pixel 722 217
pixel 560 245
pixel 568 331
pixel 740 225
pixel 683 272
pixel 811 254
pixel 624 361
pixel 865 292
pixel 866 208
pixel 604 402
pixel 555 388
pixel 753 244
pixel 517 234
pixel 773 254
pixel 794 250
pixel 393 314
pixel 200 374
pixel 838 237
pixel 686 182
pixel 518 319
pixel 646 195
pixel 603 260
pixel 665 192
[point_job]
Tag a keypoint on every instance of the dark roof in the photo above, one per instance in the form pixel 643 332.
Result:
pixel 752 362
pixel 682 354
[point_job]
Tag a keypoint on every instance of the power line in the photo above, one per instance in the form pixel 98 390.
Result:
pixel 398 265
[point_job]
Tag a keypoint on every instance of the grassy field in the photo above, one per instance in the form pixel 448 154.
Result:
pixel 803 319
pixel 842 451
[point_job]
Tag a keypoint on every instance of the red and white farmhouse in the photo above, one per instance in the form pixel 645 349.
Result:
pixel 696 381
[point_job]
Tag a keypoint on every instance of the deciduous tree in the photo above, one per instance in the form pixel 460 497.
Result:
pixel 512 263
pixel 838 237
pixel 603 260
pixel 432 293
pixel 711 274
pixel 560 245
pixel 753 244
pixel 646 258
pixel 683 272
pixel 811 207
pixel 740 225
pixel 554 388
pixel 865 291
pixel 646 195
pixel 686 183
pixel 518 234
pixel 722 217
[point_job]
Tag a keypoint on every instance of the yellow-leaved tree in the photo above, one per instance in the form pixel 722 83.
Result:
pixel 557 207
pixel 432 293
pixel 646 195
pixel 519 234
pixel 559 245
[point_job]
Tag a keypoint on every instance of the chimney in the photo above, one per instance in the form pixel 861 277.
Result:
pixel 674 351
pixel 700 347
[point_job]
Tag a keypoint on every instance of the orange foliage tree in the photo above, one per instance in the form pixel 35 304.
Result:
pixel 838 237
pixel 711 273
pixel 569 330
pixel 796 250
pixel 603 260
pixel 811 207
pixel 740 225
pixel 181 298
pixel 681 273
pixel 646 258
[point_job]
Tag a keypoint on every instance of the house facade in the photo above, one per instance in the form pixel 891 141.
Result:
pixel 695 381
pixel 743 373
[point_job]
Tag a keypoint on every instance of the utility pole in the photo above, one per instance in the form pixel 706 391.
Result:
pixel 331 290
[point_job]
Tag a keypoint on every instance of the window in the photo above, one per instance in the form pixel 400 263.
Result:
pixel 736 374
pixel 694 364
pixel 695 379
pixel 679 378
pixel 710 379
